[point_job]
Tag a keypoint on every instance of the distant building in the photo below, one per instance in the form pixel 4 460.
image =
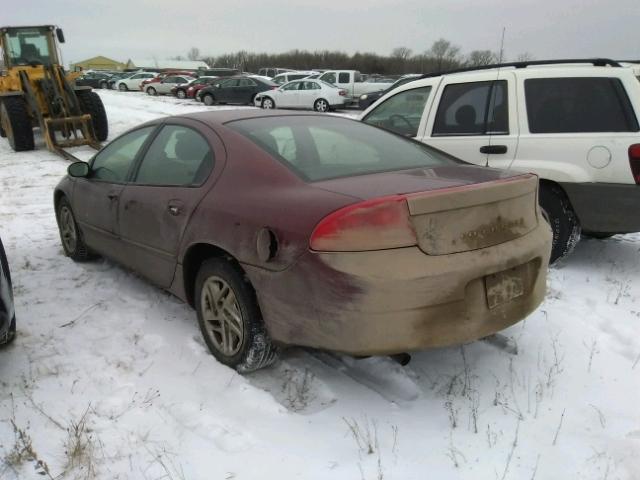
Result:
pixel 97 63
pixel 159 65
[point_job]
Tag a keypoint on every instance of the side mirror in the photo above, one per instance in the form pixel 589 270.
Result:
pixel 78 169
pixel 60 35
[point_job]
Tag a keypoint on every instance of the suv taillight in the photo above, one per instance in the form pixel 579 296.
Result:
pixel 375 224
pixel 634 162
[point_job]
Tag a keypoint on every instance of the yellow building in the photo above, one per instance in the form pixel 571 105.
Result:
pixel 97 63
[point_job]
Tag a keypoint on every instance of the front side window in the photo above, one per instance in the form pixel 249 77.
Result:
pixel 577 105
pixel 329 77
pixel 401 113
pixel 113 162
pixel 322 148
pixel 291 86
pixel 476 108
pixel 229 83
pixel 178 156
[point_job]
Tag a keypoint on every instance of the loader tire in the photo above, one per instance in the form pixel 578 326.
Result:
pixel 16 123
pixel 91 103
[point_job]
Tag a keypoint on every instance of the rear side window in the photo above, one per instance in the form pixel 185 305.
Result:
pixel 402 112
pixel 578 105
pixel 477 108
pixel 320 148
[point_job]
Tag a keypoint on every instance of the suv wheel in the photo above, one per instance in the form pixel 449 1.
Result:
pixel 563 220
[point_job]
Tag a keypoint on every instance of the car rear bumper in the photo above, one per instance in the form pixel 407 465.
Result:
pixel 400 300
pixel 606 207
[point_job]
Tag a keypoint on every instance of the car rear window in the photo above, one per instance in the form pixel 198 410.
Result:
pixel 577 105
pixel 321 148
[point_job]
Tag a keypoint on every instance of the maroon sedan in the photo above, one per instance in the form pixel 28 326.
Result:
pixel 303 229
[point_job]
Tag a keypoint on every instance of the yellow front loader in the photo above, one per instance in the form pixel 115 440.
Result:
pixel 36 92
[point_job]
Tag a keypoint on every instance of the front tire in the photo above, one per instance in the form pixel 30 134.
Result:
pixel 230 319
pixel 70 235
pixel 16 123
pixel 91 103
pixel 104 85
pixel 11 334
pixel 152 91
pixel 563 220
pixel 208 99
pixel 122 87
pixel 321 105
pixel 268 103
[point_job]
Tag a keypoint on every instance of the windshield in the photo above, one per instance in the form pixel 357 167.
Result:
pixel 320 148
pixel 30 46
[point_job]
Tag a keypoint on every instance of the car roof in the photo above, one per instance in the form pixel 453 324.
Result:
pixel 218 118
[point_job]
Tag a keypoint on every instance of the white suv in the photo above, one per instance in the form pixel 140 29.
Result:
pixel 574 124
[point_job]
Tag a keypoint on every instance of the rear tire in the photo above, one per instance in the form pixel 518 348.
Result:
pixel 16 123
pixel 11 334
pixel 230 319
pixel 563 220
pixel 91 103
pixel 152 91
pixel 598 235
pixel 181 94
pixel 70 235
pixel 104 85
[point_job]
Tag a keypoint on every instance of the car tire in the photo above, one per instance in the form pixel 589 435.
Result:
pixel 70 235
pixel 268 103
pixel 11 333
pixel 564 222
pixel 122 87
pixel 208 99
pixel 598 235
pixel 321 105
pixel 91 103
pixel 103 85
pixel 181 94
pixel 16 123
pixel 235 333
pixel 152 91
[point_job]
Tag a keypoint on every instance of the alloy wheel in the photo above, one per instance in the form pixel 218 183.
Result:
pixel 222 316
pixel 321 106
pixel 267 104
pixel 181 94
pixel 68 229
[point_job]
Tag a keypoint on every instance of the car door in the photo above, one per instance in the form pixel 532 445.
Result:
pixel 289 95
pixel 245 90
pixel 227 90
pixel 169 182
pixel 474 119
pixel 96 198
pixel 167 84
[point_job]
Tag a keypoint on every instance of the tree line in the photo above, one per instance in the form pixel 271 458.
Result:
pixel 442 56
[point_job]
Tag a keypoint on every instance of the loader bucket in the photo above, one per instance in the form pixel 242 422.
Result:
pixel 65 132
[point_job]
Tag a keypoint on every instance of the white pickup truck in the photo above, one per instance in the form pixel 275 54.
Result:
pixel 351 81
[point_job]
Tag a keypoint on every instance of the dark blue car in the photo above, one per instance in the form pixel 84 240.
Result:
pixel 7 312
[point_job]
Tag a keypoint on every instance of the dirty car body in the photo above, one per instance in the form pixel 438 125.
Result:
pixel 354 239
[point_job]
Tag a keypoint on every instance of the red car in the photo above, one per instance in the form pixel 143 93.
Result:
pixel 162 75
pixel 189 90
pixel 315 230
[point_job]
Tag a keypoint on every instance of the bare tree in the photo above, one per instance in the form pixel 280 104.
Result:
pixel 481 57
pixel 525 57
pixel 193 53
pixel 401 53
pixel 444 53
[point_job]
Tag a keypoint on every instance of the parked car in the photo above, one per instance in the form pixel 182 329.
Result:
pixel 7 309
pixel 189 90
pixel 219 72
pixel 111 83
pixel 307 94
pixel 164 86
pixel 379 230
pixel 161 76
pixel 94 80
pixel 240 89
pixel 133 82
pixel 366 99
pixel 198 92
pixel 351 80
pixel 283 78
pixel 271 72
pixel 574 123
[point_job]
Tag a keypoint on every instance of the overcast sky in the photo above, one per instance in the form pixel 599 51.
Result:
pixel 123 29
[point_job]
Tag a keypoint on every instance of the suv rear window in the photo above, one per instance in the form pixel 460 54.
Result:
pixel 576 105
pixel 323 148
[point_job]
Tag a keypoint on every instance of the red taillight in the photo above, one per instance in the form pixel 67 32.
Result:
pixel 634 162
pixel 342 93
pixel 275 87
pixel 370 225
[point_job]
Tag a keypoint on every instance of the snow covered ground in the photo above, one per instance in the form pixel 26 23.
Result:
pixel 110 379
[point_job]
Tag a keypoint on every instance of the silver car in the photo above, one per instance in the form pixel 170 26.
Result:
pixel 164 86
